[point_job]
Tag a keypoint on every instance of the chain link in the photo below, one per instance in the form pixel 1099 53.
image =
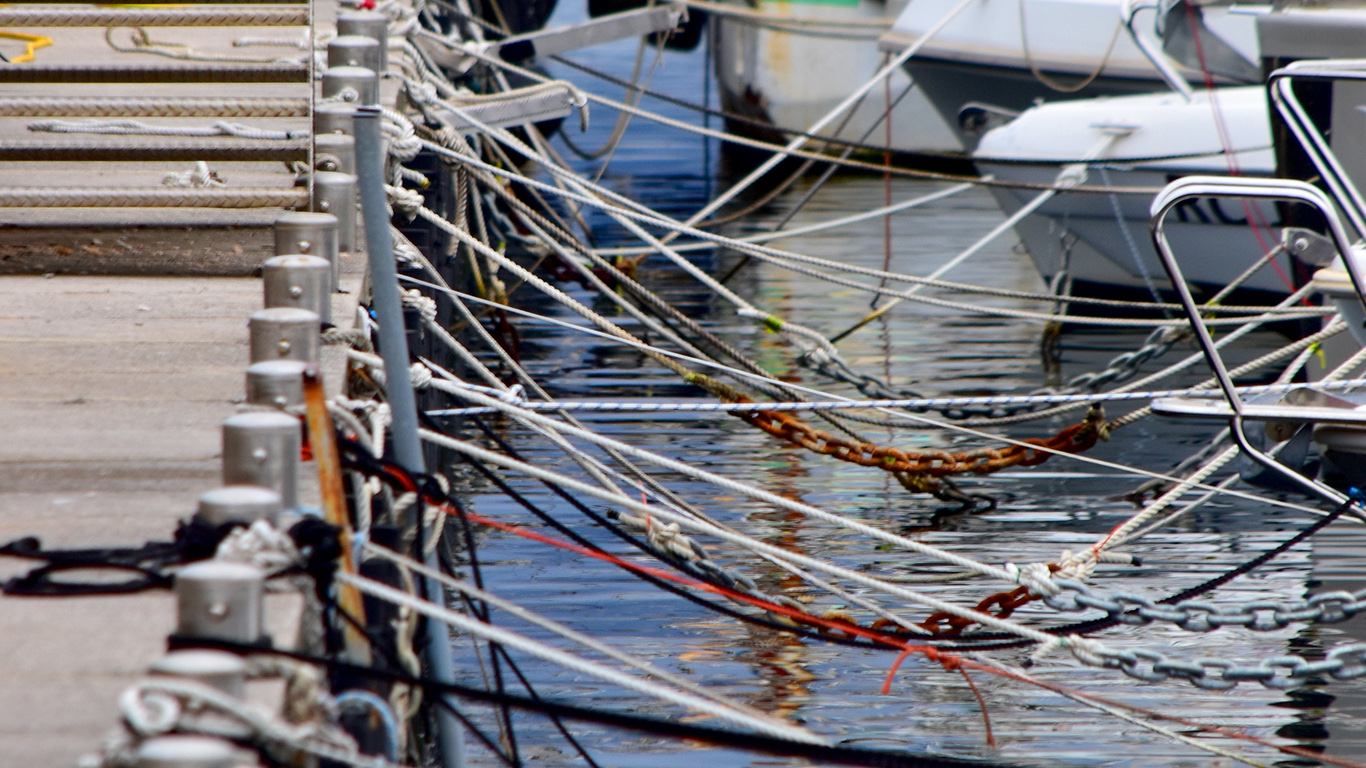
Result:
pixel 1075 438
pixel 1202 616
pixel 1346 662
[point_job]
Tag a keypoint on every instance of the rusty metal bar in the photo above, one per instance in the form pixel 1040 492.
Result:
pixel 323 440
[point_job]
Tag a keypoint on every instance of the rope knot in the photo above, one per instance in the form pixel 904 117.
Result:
pixel 198 177
pixel 407 201
pixel 421 375
pixel 1036 577
pixel 515 394
pixel 424 305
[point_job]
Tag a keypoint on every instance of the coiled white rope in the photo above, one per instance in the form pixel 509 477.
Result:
pixel 139 128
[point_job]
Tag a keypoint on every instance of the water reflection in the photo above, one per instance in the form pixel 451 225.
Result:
pixel 1062 505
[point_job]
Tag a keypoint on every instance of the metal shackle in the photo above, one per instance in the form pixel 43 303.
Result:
pixel 354 51
pixel 333 117
pixel 335 193
pixel 284 333
pixel 262 449
pixel 237 504
pixel 311 233
pixel 299 281
pixel 185 752
pixel 219 600
pixel 371 24
pixel 276 383
pixel 216 669
pixel 357 85
pixel 334 152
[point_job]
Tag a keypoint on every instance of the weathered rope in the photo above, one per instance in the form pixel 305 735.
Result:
pixel 95 106
pixel 153 17
pixel 202 197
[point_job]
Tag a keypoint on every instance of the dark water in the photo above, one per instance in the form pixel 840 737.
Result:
pixel 1063 504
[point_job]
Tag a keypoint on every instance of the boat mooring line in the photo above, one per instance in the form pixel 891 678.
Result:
pixel 654 406
pixel 902 415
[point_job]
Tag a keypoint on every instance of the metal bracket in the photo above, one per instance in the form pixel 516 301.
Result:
pixel 604 29
pixel 524 105
pixel 1235 409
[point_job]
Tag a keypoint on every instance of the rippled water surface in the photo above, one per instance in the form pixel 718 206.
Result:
pixel 1063 504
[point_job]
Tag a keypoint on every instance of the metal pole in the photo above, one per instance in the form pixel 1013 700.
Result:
pixel 398 386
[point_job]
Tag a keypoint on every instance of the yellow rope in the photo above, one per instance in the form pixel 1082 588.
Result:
pixel 35 42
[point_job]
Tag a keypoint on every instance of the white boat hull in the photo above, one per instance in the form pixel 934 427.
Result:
pixel 1010 56
pixel 1102 240
pixel 789 80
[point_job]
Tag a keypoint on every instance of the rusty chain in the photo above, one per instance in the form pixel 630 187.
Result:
pixel 1075 438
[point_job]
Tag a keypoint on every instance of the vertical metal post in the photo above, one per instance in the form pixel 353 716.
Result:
pixel 243 504
pixel 334 153
pixel 354 51
pixel 299 281
pixel 219 600
pixel 335 193
pixel 371 24
pixel 185 752
pixel 398 385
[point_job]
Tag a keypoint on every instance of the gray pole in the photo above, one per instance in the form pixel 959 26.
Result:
pixel 398 385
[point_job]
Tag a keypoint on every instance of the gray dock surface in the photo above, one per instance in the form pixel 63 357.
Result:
pixel 123 346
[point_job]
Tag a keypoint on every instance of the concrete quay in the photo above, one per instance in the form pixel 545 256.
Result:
pixel 112 393
pixel 123 347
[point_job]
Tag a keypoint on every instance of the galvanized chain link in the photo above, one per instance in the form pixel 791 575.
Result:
pixel 1120 369
pixel 1346 662
pixel 1203 616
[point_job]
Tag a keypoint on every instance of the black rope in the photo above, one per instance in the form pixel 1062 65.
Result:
pixel 335 664
pixel 605 523
pixel 772 745
pixel 1096 625
pixel 151 561
pixel 977 641
pixel 480 610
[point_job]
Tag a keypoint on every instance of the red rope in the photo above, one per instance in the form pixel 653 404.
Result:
pixel 949 661
pixel 1254 218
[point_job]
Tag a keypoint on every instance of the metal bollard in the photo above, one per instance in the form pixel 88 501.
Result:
pixel 284 333
pixel 345 82
pixel 335 152
pixel 311 233
pixel 354 51
pixel 263 449
pixel 216 669
pixel 333 117
pixel 276 383
pixel 237 504
pixel 219 600
pixel 299 281
pixel 185 752
pixel 335 193
pixel 371 24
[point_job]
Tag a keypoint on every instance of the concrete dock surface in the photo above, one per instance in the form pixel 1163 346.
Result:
pixel 123 347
